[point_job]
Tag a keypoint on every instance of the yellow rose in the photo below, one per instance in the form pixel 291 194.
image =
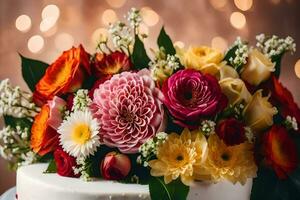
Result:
pixel 220 71
pixel 197 57
pixel 258 68
pixel 259 112
pixel 235 90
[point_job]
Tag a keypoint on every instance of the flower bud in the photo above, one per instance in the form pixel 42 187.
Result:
pixel 115 166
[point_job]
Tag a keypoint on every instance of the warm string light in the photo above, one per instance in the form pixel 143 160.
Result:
pixel 219 43
pixel 64 41
pixel 23 23
pixel 35 43
pixel 238 20
pixel 50 15
pixel 243 5
pixel 99 34
pixel 109 16
pixel 218 4
pixel 116 3
pixel 143 29
pixel 150 17
pixel 179 44
pixel 297 68
pixel 276 2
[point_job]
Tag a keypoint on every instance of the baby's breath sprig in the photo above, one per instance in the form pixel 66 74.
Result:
pixel 207 127
pixel 81 100
pixel 291 123
pixel 273 46
pixel 82 168
pixel 15 102
pixel 163 66
pixel 240 54
pixel 148 150
pixel 15 147
pixel 134 18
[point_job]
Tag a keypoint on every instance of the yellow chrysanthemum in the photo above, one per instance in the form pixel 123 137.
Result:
pixel 180 156
pixel 234 163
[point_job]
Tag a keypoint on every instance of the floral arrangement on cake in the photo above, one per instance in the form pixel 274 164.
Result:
pixel 168 120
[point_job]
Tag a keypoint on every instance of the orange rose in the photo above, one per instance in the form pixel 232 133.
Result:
pixel 44 139
pixel 280 151
pixel 65 75
pixel 109 64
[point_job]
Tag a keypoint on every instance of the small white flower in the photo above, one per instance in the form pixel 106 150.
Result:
pixel 208 127
pixel 249 135
pixel 292 122
pixel 79 134
pixel 81 100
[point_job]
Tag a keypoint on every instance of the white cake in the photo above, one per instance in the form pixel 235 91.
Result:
pixel 33 184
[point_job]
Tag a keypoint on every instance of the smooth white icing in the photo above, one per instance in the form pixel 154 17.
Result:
pixel 33 184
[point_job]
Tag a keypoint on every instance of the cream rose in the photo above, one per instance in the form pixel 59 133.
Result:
pixel 235 90
pixel 258 68
pixel 259 112
pixel 220 71
pixel 197 57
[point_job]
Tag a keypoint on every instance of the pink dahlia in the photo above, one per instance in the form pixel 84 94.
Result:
pixel 129 109
pixel 190 96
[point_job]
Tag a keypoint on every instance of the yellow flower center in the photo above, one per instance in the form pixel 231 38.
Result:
pixel 81 133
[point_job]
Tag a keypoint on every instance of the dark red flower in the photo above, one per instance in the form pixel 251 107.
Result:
pixel 64 163
pixel 284 98
pixel 280 151
pixel 191 95
pixel 115 166
pixel 104 65
pixel 231 131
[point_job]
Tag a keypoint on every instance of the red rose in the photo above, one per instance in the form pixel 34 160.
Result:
pixel 65 75
pixel 115 166
pixel 280 151
pixel 284 98
pixel 104 65
pixel 231 131
pixel 64 163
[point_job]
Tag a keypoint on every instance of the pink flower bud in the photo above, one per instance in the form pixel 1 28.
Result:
pixel 57 107
pixel 115 166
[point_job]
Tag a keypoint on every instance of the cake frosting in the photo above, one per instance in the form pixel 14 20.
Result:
pixel 33 184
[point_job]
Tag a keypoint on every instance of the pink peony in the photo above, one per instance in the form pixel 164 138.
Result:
pixel 190 95
pixel 129 109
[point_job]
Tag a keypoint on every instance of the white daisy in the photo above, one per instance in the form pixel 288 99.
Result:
pixel 79 134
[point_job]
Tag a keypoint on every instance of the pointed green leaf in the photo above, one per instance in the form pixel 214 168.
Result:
pixel 165 41
pixel 175 190
pixel 277 60
pixel 13 122
pixel 139 56
pixel 51 167
pixel 32 71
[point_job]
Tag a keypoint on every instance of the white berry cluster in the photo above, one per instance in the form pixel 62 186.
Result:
pixel 81 100
pixel 81 169
pixel 15 102
pixel 149 148
pixel 14 146
pixel 241 53
pixel 273 46
pixel 208 127
pixel 121 35
pixel 291 123
pixel 134 18
pixel 163 66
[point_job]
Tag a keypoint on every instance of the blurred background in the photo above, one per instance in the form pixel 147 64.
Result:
pixel 42 29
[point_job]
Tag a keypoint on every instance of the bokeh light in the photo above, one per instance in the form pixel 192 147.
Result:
pixel 243 5
pixel 23 23
pixel 50 11
pixel 143 29
pixel 297 68
pixel 47 23
pixel 150 17
pixel 116 3
pixel 219 43
pixel 218 4
pixel 109 16
pixel 98 35
pixel 276 2
pixel 64 41
pixel 35 43
pixel 238 20
pixel 179 44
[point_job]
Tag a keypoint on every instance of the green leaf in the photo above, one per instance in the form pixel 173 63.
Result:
pixel 32 71
pixel 230 53
pixel 13 122
pixel 165 41
pixel 139 56
pixel 175 190
pixel 277 60
pixel 51 167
